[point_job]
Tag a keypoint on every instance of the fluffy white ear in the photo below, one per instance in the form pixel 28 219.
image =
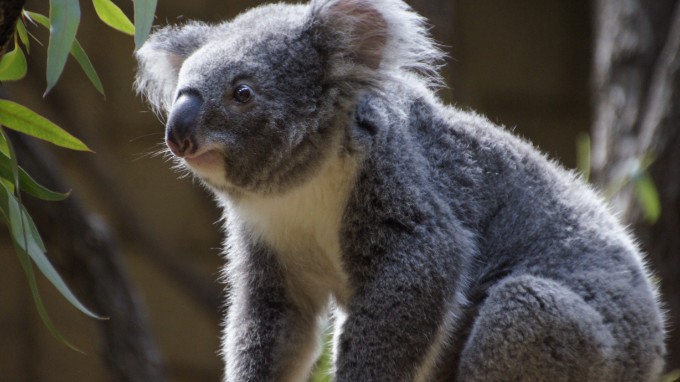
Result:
pixel 161 57
pixel 355 28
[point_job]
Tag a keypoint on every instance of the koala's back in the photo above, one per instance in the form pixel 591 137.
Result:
pixel 514 226
pixel 544 223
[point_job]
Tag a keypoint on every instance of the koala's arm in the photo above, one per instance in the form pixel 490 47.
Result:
pixel 405 304
pixel 267 337
pixel 399 250
pixel 390 318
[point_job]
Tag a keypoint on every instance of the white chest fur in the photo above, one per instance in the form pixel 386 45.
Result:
pixel 303 227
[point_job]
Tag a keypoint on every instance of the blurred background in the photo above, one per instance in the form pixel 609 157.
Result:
pixel 527 64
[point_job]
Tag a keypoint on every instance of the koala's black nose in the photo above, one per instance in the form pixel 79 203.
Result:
pixel 180 130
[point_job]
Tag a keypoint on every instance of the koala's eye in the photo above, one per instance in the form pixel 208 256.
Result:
pixel 243 93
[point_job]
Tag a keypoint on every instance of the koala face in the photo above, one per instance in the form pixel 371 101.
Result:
pixel 246 112
pixel 249 106
pixel 257 104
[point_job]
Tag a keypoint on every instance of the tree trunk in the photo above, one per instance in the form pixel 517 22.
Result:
pixel 636 94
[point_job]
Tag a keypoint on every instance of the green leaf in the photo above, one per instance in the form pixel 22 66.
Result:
pixel 38 18
pixel 27 184
pixel 111 15
pixel 42 312
pixel 583 155
pixel 26 237
pixel 23 35
pixel 144 15
pixel 13 162
pixel 13 64
pixel 4 213
pixel 672 376
pixel 23 119
pixel 646 160
pixel 64 17
pixel 12 214
pixel 647 195
pixel 4 149
pixel 22 227
pixel 79 54
pixel 322 369
pixel 4 145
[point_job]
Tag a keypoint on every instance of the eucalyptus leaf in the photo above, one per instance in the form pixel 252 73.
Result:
pixel 13 64
pixel 26 237
pixel 38 18
pixel 324 364
pixel 4 144
pixel 23 35
pixel 23 119
pixel 4 214
pixel 672 376
pixel 77 52
pixel 18 221
pixel 35 189
pixel 583 149
pixel 64 18
pixel 13 162
pixel 33 285
pixel 4 149
pixel 21 224
pixel 7 183
pixel 647 195
pixel 27 184
pixel 144 16
pixel 113 16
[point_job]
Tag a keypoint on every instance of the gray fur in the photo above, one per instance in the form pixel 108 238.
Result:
pixel 450 249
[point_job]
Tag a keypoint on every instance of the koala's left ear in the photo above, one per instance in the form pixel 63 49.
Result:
pixel 356 29
pixel 161 57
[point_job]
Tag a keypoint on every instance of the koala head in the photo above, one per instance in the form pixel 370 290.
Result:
pixel 257 104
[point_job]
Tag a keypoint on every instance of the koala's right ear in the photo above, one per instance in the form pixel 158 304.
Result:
pixel 161 57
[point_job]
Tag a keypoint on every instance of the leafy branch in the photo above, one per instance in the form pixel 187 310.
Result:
pixel 62 23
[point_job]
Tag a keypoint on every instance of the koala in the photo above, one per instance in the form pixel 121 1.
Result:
pixel 440 246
